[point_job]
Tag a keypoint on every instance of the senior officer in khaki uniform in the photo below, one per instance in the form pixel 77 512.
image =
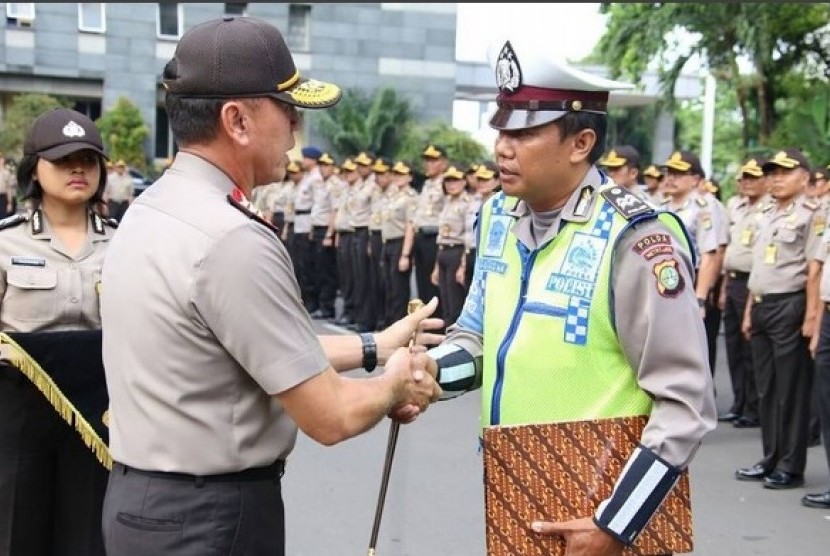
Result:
pixel 206 402
pixel 430 203
pixel 583 274
pixel 779 318
pixel 51 484
pixel 745 218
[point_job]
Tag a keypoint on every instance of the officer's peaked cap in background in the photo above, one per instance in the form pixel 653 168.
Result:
pixel 236 57
pixel 653 172
pixel 752 167
pixel 61 132
pixel 536 87
pixel 787 158
pixel 622 155
pixel 434 151
pixel 311 152
pixel 684 161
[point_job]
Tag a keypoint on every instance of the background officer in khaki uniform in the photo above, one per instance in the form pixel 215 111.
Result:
pixel 452 223
pixel 360 211
pixel 780 316
pixel 622 164
pixel 653 180
pixel 487 182
pixel 343 238
pixel 51 484
pixel 323 268
pixel 207 401
pixel 377 275
pixel 745 218
pixel 398 239
pixel 430 203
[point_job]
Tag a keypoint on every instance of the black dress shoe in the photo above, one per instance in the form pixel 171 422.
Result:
pixel 783 479
pixel 755 473
pixel 745 423
pixel 728 417
pixel 817 500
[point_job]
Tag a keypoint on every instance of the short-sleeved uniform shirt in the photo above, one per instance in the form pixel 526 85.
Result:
pixel 203 324
pixel 43 286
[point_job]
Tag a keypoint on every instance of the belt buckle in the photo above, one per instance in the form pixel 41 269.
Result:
pixel 757 298
pixel 733 274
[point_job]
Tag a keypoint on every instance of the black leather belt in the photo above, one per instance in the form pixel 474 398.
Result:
pixel 273 471
pixel 449 245
pixel 428 230
pixel 770 297
pixel 738 275
pixel 302 212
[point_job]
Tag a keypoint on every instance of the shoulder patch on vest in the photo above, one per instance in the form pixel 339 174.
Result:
pixel 625 202
pixel 12 221
pixel 252 215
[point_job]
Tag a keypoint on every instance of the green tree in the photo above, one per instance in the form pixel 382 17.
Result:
pixel 806 119
pixel 360 122
pixel 773 37
pixel 461 147
pixel 124 131
pixel 23 109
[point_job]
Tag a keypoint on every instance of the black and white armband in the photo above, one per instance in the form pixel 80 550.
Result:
pixel 458 370
pixel 641 487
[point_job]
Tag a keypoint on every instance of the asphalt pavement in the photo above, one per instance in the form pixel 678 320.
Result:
pixel 435 500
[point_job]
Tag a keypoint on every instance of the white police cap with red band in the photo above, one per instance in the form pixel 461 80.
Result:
pixel 536 87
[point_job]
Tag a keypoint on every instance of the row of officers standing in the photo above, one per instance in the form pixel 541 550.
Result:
pixel 362 227
pixel 760 272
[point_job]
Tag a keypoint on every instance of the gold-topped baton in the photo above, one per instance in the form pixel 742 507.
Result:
pixel 394 428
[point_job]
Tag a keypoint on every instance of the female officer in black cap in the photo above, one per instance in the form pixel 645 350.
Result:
pixel 51 485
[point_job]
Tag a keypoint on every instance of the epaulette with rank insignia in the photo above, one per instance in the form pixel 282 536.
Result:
pixel 12 221
pixel 627 203
pixel 811 204
pixel 252 215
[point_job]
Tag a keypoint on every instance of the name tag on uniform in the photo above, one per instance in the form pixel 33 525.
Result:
pixel 746 237
pixel 28 261
pixel 770 254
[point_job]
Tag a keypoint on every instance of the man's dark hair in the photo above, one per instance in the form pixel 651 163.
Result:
pixel 193 120
pixel 33 190
pixel 574 122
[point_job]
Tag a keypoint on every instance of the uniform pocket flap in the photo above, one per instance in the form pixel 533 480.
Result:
pixel 32 278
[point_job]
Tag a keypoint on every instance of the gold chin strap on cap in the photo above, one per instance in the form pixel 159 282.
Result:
pixel 16 356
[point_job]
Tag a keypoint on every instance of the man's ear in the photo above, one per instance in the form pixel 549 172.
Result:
pixel 235 122
pixel 583 143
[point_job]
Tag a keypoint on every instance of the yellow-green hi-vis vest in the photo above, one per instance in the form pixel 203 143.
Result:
pixel 551 352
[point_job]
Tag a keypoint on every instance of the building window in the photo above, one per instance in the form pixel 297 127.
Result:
pixel 169 20
pixel 299 27
pixel 20 14
pixel 236 8
pixel 92 17
pixel 164 139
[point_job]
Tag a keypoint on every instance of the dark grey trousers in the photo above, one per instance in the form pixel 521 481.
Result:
pixel 146 515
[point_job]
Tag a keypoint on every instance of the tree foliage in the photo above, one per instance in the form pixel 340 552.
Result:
pixel 124 132
pixel 360 122
pixel 23 110
pixel 775 38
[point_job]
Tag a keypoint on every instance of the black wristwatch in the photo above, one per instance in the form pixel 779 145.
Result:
pixel 370 351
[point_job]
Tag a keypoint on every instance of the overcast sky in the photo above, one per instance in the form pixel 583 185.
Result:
pixel 574 29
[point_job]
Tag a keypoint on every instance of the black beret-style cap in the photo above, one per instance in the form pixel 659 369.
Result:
pixel 60 132
pixel 241 57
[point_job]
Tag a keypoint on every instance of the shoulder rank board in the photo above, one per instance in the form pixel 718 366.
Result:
pixel 252 215
pixel 625 202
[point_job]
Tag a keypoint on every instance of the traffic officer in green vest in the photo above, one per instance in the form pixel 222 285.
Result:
pixel 582 304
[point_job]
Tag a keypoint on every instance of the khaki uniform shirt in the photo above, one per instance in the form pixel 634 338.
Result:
pixel 702 220
pixel 787 241
pixel 342 217
pixel 119 187
pixel 304 200
pixel 322 201
pixel 430 202
pixel 452 222
pixel 8 181
pixel 745 220
pixel 286 196
pixel 203 325
pixel 663 336
pixel 377 207
pixel 360 202
pixel 43 286
pixel 821 255
pixel 400 208
pixel 470 239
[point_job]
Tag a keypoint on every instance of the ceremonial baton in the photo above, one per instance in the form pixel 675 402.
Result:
pixel 411 307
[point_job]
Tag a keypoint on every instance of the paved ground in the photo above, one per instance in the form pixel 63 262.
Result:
pixel 434 505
